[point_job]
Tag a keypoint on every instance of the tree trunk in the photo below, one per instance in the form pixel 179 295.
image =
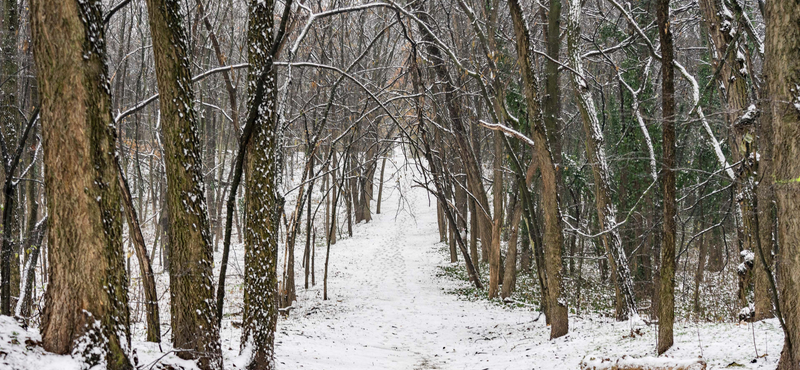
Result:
pixel 145 270
pixel 510 278
pixel 195 330
pixel 85 308
pixel 720 25
pixel 262 217
pixel 473 236
pixel 309 222
pixel 380 187
pixel 666 311
pixel 497 199
pixel 553 237
pixel 34 249
pixel 551 101
pixel 783 76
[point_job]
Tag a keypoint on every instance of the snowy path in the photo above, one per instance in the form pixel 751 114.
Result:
pixel 389 310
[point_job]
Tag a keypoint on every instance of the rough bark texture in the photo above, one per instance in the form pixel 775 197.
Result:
pixel 195 331
pixel 666 307
pixel 721 29
pixel 596 154
pixel 551 101
pixel 783 78
pixel 85 308
pixel 553 237
pixel 261 200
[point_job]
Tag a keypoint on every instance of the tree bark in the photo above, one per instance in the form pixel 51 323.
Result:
pixel 85 308
pixel 380 188
pixel 782 69
pixel 721 29
pixel 495 279
pixel 262 206
pixel 195 330
pixel 666 307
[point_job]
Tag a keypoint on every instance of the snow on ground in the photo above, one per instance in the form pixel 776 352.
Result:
pixel 388 309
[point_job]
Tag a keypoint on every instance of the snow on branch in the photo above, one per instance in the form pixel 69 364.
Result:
pixel 508 131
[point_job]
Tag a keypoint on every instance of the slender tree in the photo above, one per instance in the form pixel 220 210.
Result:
pixel 666 306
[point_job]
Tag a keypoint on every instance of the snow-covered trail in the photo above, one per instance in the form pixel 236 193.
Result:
pixel 389 310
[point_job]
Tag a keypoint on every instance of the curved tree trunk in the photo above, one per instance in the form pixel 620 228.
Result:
pixel 85 308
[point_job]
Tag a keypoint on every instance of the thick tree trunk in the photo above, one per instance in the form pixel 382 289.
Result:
pixel 553 237
pixel 195 330
pixel 666 311
pixel 783 77
pixel 551 100
pixel 85 308
pixel 596 154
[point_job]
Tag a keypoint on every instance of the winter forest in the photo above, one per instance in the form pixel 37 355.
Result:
pixel 400 184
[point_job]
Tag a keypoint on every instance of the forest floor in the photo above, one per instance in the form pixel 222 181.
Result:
pixel 392 307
